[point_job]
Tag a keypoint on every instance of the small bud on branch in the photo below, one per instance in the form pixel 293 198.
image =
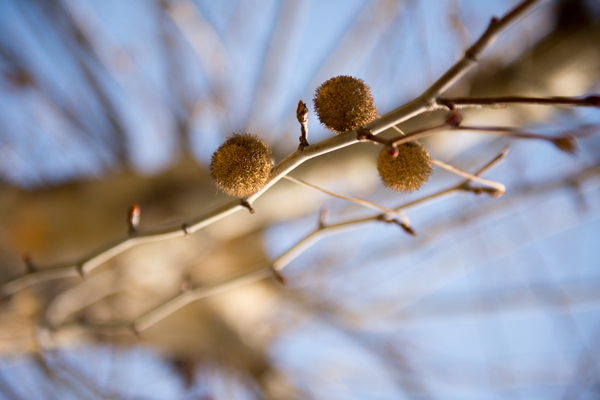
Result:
pixel 302 116
pixel 133 217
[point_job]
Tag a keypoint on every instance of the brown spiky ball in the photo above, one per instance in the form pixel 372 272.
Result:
pixel 408 171
pixel 242 165
pixel 344 103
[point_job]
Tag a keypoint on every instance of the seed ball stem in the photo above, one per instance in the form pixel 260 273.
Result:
pixel 241 166
pixel 408 170
pixel 344 103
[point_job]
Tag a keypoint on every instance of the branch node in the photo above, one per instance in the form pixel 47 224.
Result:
pixel 477 190
pixel 364 134
pixel 185 228
pixel 593 100
pixel 79 268
pixel 407 228
pixel 133 218
pixel 568 144
pixel 245 203
pixel 454 119
pixel 323 217
pixel 29 266
pixel 186 284
pixel 136 332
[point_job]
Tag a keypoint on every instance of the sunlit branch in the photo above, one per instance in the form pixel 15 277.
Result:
pixel 178 302
pixel 323 230
pixel 499 187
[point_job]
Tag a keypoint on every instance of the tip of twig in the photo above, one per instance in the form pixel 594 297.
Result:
pixel 593 100
pixel 279 278
pixel 477 190
pixel 405 226
pixel 302 112
pixel 246 204
pixel 409 230
pixel 568 144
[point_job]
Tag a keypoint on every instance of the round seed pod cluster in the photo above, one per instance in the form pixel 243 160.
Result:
pixel 408 171
pixel 344 103
pixel 242 165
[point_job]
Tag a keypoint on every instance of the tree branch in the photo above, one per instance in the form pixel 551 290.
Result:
pixel 422 104
pixel 473 54
pixel 323 230
pixel 362 202
pixel 457 103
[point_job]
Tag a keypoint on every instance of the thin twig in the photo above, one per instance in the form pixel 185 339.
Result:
pixel 356 200
pixel 457 103
pixel 473 54
pixel 149 319
pixel 500 188
pixel 566 143
pixel 326 230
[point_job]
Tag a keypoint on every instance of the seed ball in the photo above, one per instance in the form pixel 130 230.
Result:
pixel 242 165
pixel 344 103
pixel 408 171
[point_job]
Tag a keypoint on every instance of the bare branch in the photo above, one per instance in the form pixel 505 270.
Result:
pixel 473 55
pixel 566 142
pixel 323 230
pixel 327 230
pixel 422 104
pixel 499 188
pixel 457 103
pixel 149 319
pixel 356 200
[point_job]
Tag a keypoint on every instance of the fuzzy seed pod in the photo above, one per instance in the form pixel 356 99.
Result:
pixel 344 103
pixel 242 165
pixel 408 171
